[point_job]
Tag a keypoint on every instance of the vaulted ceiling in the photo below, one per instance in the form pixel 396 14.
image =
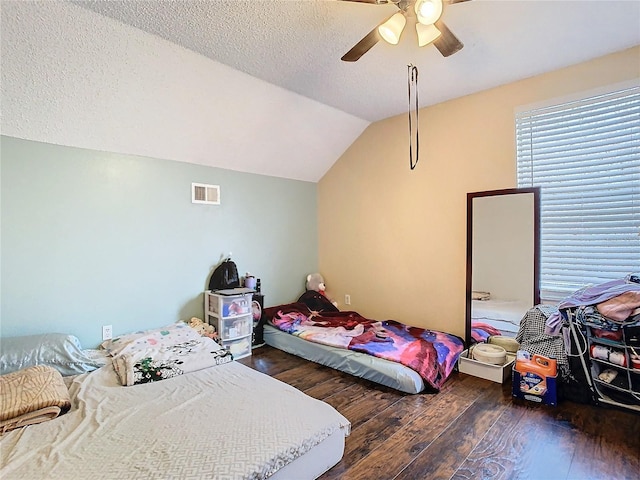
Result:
pixel 297 44
pixel 258 85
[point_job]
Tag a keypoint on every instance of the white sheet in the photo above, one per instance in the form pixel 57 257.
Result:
pixel 502 314
pixel 223 422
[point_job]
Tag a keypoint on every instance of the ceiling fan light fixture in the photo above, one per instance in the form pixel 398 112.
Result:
pixel 391 30
pixel 427 34
pixel 428 11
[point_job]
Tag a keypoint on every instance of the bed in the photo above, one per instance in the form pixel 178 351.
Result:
pixel 503 315
pixel 226 421
pixel 405 358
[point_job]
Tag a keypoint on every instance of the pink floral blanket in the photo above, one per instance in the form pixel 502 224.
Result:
pixel 431 353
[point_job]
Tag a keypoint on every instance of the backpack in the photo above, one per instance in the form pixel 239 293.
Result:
pixel 225 276
pixel 316 301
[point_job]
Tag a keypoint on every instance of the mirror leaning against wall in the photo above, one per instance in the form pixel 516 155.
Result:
pixel 503 258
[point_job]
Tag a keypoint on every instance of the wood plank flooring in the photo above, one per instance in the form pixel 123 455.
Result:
pixel 472 429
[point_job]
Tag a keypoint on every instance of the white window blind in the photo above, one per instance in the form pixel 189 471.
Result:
pixel 585 157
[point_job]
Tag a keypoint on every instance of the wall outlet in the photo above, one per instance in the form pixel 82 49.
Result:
pixel 347 299
pixel 107 332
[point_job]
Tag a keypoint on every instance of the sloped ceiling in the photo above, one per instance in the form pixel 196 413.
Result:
pixel 258 85
pixel 297 44
pixel 73 77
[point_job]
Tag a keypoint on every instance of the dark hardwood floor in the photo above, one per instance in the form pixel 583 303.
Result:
pixel 473 428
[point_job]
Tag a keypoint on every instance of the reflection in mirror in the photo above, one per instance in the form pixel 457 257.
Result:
pixel 502 260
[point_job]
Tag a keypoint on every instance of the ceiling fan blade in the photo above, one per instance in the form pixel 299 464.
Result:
pixel 452 1
pixel 363 46
pixel 447 43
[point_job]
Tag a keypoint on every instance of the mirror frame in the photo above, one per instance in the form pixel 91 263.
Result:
pixel 536 246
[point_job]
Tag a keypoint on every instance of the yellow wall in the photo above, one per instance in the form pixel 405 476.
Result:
pixel 394 239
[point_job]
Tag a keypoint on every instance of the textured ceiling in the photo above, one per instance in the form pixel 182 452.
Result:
pixel 297 44
pixel 73 77
pixel 258 86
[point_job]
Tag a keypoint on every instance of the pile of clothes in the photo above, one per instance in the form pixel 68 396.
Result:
pixel 544 330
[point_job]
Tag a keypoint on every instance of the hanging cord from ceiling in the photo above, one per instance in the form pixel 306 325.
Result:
pixel 412 83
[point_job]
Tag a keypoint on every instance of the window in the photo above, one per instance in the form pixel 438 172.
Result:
pixel 585 157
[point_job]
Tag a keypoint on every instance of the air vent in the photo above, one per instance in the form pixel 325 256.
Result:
pixel 202 193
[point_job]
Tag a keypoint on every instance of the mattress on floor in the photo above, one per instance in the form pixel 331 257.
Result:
pixel 502 314
pixel 384 372
pixel 224 422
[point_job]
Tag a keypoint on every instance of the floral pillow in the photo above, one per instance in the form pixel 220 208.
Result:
pixel 169 335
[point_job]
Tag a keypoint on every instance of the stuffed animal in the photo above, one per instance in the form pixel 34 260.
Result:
pixel 316 283
pixel 203 328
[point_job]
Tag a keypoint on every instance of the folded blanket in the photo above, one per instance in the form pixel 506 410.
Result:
pixel 621 307
pixel 140 362
pixel 32 395
pixel 31 418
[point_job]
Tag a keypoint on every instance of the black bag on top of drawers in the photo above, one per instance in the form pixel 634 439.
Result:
pixel 225 276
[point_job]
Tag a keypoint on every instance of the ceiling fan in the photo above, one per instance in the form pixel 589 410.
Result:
pixel 429 27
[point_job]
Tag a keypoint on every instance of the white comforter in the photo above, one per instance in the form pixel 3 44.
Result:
pixel 223 422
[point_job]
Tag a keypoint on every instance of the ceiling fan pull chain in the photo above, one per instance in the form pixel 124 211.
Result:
pixel 412 81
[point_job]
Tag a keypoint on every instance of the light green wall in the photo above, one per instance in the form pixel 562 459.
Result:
pixel 91 238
